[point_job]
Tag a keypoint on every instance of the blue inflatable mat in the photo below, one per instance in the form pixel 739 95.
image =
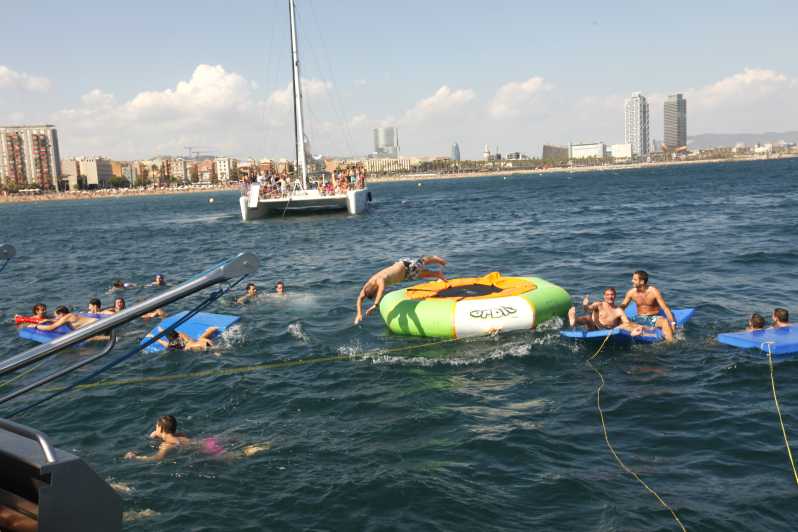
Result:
pixel 43 337
pixel 781 341
pixel 30 333
pixel 193 327
pixel 681 315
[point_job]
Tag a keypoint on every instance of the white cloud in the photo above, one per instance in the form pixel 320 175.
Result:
pixel 10 79
pixel 517 96
pixel 743 87
pixel 310 88
pixel 444 99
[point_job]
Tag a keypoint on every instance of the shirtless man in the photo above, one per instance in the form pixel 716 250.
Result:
pixel 64 317
pixel 649 303
pixel 401 270
pixel 781 318
pixel 177 341
pixel 166 431
pixel 603 314
pixel 251 293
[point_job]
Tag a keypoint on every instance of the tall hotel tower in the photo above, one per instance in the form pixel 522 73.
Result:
pixel 29 156
pixel 636 124
pixel 386 142
pixel 675 121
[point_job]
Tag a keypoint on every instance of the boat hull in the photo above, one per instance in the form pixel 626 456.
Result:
pixel 307 202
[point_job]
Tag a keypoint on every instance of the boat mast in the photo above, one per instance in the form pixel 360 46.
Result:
pixel 299 126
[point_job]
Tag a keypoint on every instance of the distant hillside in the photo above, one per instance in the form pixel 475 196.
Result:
pixel 713 140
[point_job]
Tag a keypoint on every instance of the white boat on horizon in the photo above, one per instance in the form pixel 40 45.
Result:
pixel 301 197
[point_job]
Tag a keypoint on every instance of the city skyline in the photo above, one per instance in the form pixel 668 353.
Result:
pixel 515 75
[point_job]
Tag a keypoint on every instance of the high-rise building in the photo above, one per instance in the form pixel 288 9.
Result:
pixel 226 168
pixel 29 156
pixel 96 170
pixel 636 115
pixel 386 142
pixel 551 153
pixel 675 108
pixel 455 152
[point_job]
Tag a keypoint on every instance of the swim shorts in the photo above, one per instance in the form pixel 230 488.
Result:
pixel 412 268
pixel 646 321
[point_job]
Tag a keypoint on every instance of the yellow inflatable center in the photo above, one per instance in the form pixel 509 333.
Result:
pixel 489 286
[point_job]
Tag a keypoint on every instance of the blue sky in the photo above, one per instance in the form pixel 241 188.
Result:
pixel 135 79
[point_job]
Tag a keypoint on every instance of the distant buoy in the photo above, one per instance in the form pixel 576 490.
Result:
pixel 419 184
pixel 210 200
pixel 505 178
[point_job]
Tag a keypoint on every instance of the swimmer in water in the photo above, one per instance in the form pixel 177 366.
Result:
pixel 119 305
pixel 64 317
pixel 279 288
pixel 119 285
pixel 401 270
pixel 781 318
pixel 95 306
pixel 160 280
pixel 166 431
pixel 39 313
pixel 177 341
pixel 755 323
pixel 251 293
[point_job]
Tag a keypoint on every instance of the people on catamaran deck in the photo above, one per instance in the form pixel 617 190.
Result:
pixel 603 314
pixel 177 341
pixel 64 317
pixel 755 323
pixel 279 288
pixel 251 293
pixel 171 440
pixel 781 318
pixel 401 270
pixel 159 280
pixel 649 303
pixel 95 306
pixel 39 315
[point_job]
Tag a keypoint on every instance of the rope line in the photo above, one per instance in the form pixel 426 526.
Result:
pixel 778 411
pixel 620 462
pixel 240 369
pixel 22 374
pixel 3 267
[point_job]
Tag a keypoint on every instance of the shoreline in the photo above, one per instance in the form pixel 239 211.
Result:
pixel 567 170
pixel 166 191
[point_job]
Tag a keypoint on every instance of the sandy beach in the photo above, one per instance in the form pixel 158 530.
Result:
pixel 111 193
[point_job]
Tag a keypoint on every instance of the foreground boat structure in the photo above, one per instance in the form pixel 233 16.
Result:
pixel 48 489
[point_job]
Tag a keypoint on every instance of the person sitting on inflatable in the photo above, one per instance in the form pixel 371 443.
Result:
pixel 401 270
pixel 177 341
pixel 649 303
pixel 64 317
pixel 39 316
pixel 166 431
pixel 781 318
pixel 603 314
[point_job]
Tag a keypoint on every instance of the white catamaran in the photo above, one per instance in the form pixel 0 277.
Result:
pixel 300 196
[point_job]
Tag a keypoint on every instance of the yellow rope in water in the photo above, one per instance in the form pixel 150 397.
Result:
pixel 22 374
pixel 778 411
pixel 612 449
pixel 245 369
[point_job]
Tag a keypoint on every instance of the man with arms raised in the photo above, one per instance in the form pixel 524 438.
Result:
pixel 401 270
pixel 603 314
pixel 649 303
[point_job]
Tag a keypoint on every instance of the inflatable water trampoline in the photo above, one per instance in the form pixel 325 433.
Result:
pixel 473 306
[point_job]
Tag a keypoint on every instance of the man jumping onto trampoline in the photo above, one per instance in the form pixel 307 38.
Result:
pixel 401 270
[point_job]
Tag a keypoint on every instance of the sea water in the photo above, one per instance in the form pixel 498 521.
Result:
pixel 371 431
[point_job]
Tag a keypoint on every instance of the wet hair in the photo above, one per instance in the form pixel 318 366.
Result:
pixel 61 310
pixel 611 289
pixel 168 424
pixel 279 283
pixel 119 284
pixel 781 314
pixel 95 302
pixel 172 335
pixel 122 299
pixel 251 285
pixel 38 306
pixel 642 275
pixel 757 321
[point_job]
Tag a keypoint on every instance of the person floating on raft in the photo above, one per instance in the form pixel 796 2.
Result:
pixel 166 431
pixel 39 316
pixel 649 303
pixel 177 341
pixel 603 314
pixel 401 270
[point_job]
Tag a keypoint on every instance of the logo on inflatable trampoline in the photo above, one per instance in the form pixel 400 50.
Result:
pixel 492 313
